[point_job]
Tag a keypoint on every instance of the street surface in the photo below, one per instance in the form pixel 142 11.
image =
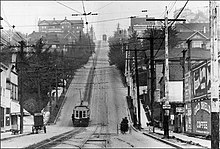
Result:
pixel 107 104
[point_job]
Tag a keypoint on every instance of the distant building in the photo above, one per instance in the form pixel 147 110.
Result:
pixel 10 107
pixel 61 26
pixel 140 25
pixel 60 34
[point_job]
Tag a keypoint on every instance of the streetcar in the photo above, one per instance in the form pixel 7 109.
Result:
pixel 81 115
pixel 104 37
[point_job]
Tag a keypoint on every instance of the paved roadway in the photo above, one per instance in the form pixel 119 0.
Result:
pixel 107 103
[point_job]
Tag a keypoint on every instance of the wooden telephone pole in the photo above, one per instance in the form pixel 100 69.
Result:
pixel 214 76
pixel 166 105
pixel 137 84
pixel 20 64
pixel 152 73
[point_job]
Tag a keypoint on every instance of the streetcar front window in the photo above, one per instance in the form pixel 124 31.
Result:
pixel 84 114
pixel 77 114
pixel 80 114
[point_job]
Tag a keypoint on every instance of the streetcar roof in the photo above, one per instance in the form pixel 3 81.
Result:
pixel 81 108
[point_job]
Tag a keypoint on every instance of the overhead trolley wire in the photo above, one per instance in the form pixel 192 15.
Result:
pixel 67 7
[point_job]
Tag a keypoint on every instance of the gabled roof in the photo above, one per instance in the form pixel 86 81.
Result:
pixel 184 36
pixel 197 33
pixel 186 27
pixel 50 22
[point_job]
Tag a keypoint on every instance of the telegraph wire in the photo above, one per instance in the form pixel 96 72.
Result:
pixel 67 7
pixel 180 11
pixel 103 6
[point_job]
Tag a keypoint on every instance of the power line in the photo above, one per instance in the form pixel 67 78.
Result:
pixel 103 6
pixel 68 7
pixel 172 6
pixel 180 12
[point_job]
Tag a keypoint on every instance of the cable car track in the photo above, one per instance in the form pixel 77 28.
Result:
pixel 57 139
pixel 100 134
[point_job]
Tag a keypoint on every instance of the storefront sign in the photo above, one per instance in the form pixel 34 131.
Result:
pixel 180 109
pixel 187 87
pixel 188 117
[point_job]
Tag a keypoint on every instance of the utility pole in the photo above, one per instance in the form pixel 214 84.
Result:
pixel 56 84
pixel 127 68
pixel 184 71
pixel 153 76
pixel 152 72
pixel 20 84
pixel 166 80
pixel 20 64
pixel 137 85
pixel 166 105
pixel 189 54
pixel 214 76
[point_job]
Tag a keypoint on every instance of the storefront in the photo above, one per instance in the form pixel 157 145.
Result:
pixel 198 100
pixel 201 116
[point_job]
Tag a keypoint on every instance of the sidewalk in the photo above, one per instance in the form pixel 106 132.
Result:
pixel 181 137
pixel 9 135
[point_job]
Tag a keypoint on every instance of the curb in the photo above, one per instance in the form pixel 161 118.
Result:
pixel 164 141
pixel 15 136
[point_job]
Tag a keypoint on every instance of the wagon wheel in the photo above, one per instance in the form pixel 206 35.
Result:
pixel 45 129
pixel 32 129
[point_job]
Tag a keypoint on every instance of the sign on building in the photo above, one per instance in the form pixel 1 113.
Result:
pixel 199 81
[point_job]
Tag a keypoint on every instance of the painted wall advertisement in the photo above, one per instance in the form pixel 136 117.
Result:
pixel 199 81
pixel 188 117
pixel 198 102
pixel 187 87
pixel 201 117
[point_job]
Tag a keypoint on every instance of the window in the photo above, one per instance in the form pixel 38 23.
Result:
pixel 2 115
pixel 197 44
pixel 7 110
pixel 84 114
pixel 80 114
pixel 77 114
pixel 14 91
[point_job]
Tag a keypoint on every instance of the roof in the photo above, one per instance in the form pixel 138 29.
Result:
pixel 141 21
pixel 53 22
pixel 186 27
pixel 184 36
pixel 176 54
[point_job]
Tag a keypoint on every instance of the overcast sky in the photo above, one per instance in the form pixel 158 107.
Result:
pixel 25 14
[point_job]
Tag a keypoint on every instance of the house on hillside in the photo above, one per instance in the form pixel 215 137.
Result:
pixel 139 24
pixel 10 107
pixel 75 26
pixel 198 36
pixel 59 34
